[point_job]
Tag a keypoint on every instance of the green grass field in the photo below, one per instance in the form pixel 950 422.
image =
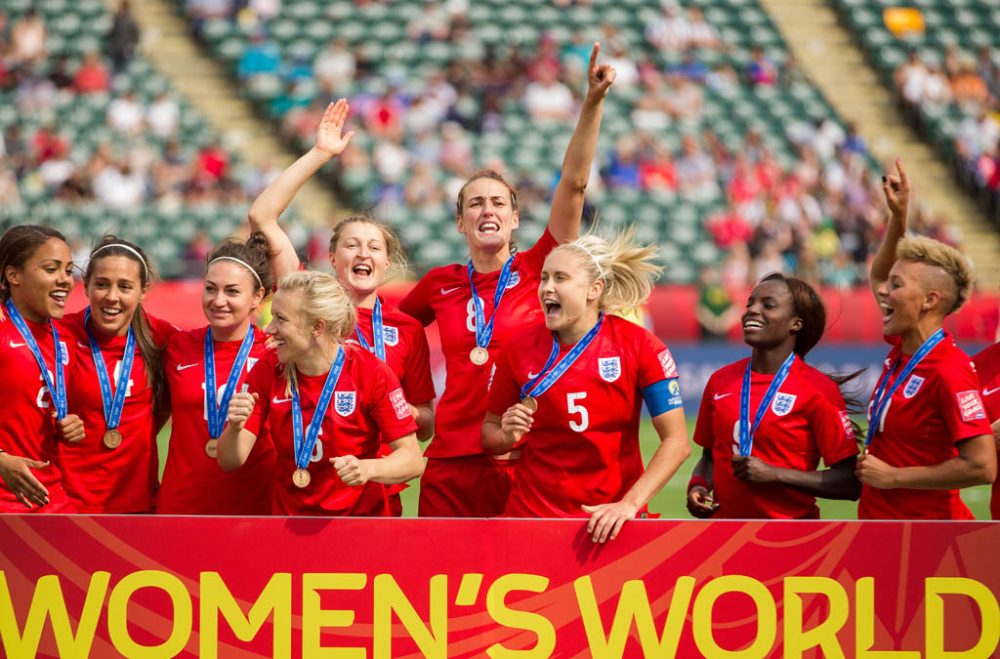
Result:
pixel 670 501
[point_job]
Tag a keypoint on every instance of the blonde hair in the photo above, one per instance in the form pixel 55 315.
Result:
pixel 949 260
pixel 625 267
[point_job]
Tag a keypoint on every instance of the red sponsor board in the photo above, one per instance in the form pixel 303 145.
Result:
pixel 295 587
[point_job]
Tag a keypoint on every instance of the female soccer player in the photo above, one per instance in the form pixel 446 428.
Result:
pixel 480 305
pixel 988 366
pixel 204 368
pixel 569 394
pixel 361 252
pixel 36 276
pixel 928 434
pixel 766 421
pixel 116 382
pixel 329 405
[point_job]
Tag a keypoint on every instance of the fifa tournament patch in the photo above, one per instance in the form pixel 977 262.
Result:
pixel 667 363
pixel 783 404
pixel 344 402
pixel 390 335
pixel 912 386
pixel 970 405
pixel 610 368
pixel 399 403
pixel 675 393
pixel 845 420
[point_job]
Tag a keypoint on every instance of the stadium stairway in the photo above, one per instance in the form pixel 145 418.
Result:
pixel 168 44
pixel 828 54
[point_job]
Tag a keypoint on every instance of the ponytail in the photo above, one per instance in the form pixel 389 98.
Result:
pixel 625 267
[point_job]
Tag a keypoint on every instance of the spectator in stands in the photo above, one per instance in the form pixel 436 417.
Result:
pixel 548 99
pixel 334 69
pixel 92 77
pixel 716 312
pixel 671 31
pixel 696 173
pixel 28 41
pixel 967 88
pixel 119 186
pixel 623 168
pixel 213 162
pixel 123 37
pixel 260 57
pixel 163 116
pixel 702 34
pixel 762 71
pixel 657 172
pixel 126 115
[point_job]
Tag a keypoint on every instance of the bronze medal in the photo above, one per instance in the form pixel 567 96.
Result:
pixel 530 402
pixel 301 478
pixel 479 356
pixel 212 448
pixel 112 438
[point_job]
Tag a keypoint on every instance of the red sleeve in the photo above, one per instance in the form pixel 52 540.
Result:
pixel 417 301
pixel 655 361
pixel 534 258
pixel 504 389
pixel 961 405
pixel 831 425
pixel 388 406
pixel 260 381
pixel 162 330
pixel 703 433
pixel 418 385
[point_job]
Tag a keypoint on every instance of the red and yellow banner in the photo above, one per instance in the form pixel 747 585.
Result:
pixel 112 586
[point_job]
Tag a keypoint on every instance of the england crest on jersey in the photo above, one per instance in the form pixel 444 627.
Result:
pixel 783 404
pixel 391 335
pixel 515 279
pixel 610 368
pixel 251 362
pixel 344 402
pixel 912 386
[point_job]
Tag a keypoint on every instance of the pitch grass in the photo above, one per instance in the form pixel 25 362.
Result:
pixel 670 501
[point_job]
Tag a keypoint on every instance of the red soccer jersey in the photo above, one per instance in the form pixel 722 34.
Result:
pixel 27 428
pixel 444 295
pixel 937 406
pixel 807 420
pixel 583 447
pixel 367 404
pixel 193 483
pixel 406 351
pixel 99 479
pixel 988 365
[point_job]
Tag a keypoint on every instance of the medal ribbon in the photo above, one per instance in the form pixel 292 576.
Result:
pixel 542 382
pixel 484 329
pixel 113 405
pixel 881 398
pixel 217 412
pixel 58 390
pixel 304 445
pixel 376 332
pixel 746 431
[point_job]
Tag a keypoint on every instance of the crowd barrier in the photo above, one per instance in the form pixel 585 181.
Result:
pixel 77 586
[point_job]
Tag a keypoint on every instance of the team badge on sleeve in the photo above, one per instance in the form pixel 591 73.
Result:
pixel 970 405
pixel 399 403
pixel 391 335
pixel 912 386
pixel 783 404
pixel 667 363
pixel 344 402
pixel 610 368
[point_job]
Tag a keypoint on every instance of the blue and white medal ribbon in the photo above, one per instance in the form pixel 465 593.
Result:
pixel 304 444
pixel 484 329
pixel 58 389
pixel 546 378
pixel 113 404
pixel 881 398
pixel 218 411
pixel 746 431
pixel 377 332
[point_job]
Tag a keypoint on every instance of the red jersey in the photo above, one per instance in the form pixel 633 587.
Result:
pixel 988 366
pixel 99 479
pixel 807 421
pixel 193 483
pixel 583 447
pixel 28 429
pixel 368 407
pixel 406 351
pixel 938 406
pixel 444 295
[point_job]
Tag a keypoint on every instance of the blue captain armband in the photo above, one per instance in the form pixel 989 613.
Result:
pixel 662 396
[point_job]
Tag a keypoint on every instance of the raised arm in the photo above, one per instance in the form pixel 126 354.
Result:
pixel 567 201
pixel 897 197
pixel 272 202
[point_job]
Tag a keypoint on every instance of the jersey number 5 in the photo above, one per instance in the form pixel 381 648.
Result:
pixel 574 408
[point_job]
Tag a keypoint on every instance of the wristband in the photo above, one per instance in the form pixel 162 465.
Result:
pixel 696 481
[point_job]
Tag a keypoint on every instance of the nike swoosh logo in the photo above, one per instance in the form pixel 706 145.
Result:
pixel 80 345
pixel 445 291
pixel 17 345
pixel 720 396
pixel 987 392
pixel 279 401
pixel 532 376
pixel 183 367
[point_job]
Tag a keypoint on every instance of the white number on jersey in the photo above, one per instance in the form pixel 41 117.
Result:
pixel 573 408
pixel 470 319
pixel 114 378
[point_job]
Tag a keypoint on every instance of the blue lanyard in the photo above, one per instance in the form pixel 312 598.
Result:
pixel 217 412
pixel 57 391
pixel 376 332
pixel 881 398
pixel 113 405
pixel 304 445
pixel 746 431
pixel 543 381
pixel 484 329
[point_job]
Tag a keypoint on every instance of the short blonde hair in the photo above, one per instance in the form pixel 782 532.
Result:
pixel 323 298
pixel 625 267
pixel 952 263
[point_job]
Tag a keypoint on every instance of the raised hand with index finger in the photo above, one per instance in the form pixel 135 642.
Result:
pixel 896 188
pixel 599 76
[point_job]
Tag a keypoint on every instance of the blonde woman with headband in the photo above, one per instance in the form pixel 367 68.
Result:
pixel 568 395
pixel 329 403
pixel 204 369
pixel 116 385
